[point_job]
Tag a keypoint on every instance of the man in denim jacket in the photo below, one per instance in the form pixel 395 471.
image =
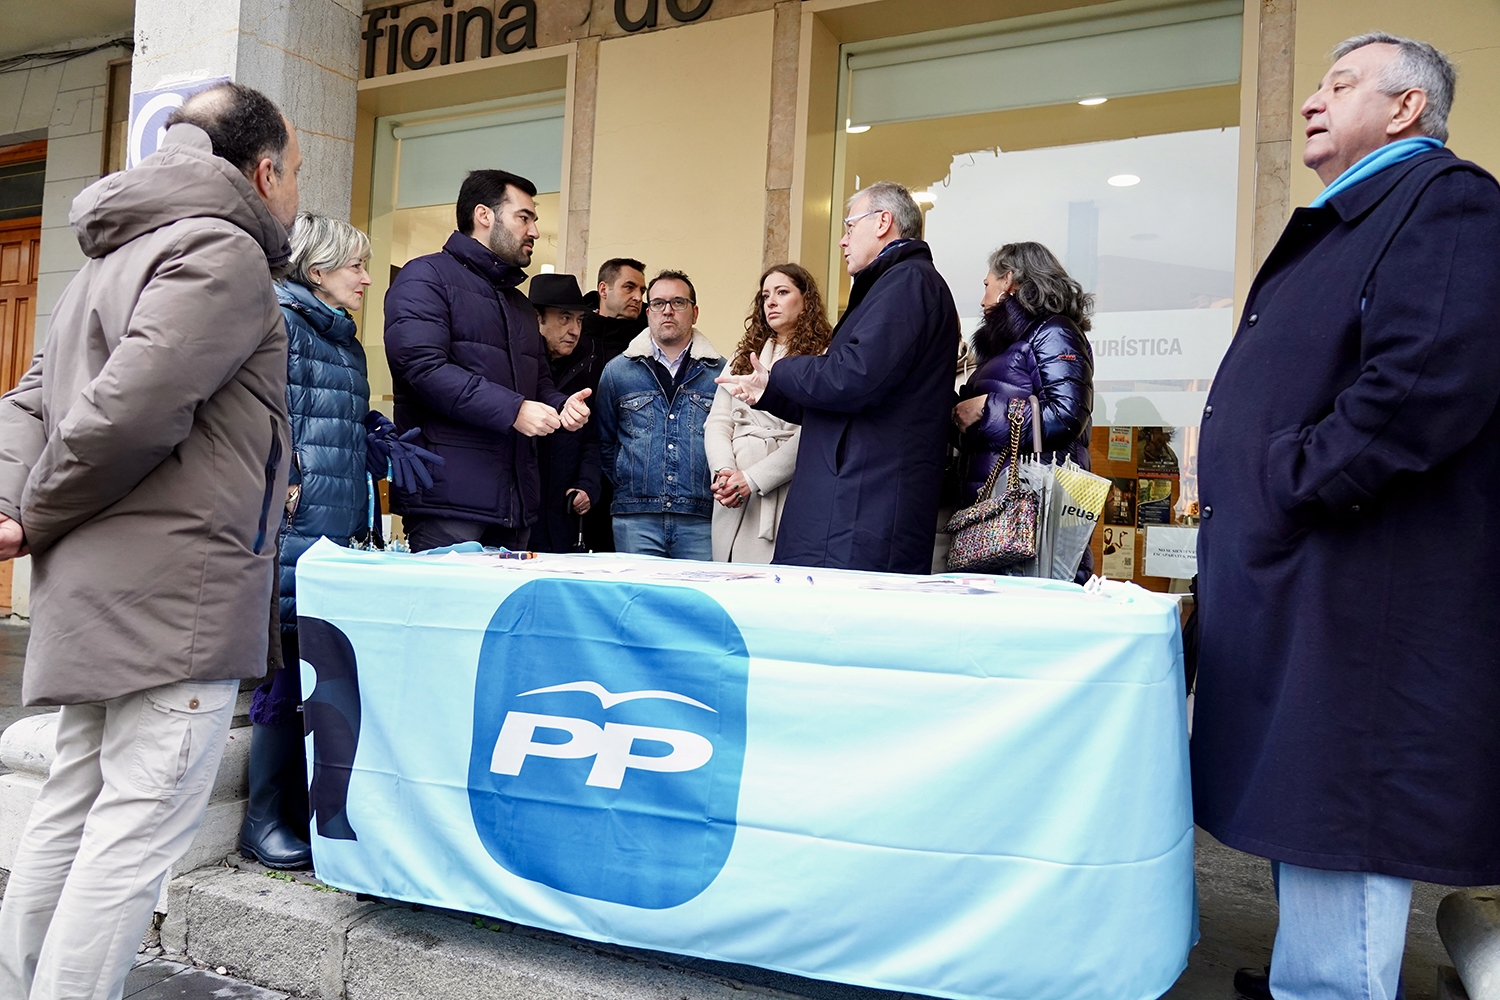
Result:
pixel 652 404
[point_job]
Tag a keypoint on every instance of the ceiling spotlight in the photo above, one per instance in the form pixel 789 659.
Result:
pixel 924 198
pixel 853 129
pixel 1124 180
pixel 1093 102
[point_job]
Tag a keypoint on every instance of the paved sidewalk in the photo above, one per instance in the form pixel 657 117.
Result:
pixel 160 979
pixel 12 656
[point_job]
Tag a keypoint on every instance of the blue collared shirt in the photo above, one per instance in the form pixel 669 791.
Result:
pixel 672 367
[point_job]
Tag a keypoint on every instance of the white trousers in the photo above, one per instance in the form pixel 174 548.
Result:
pixel 125 796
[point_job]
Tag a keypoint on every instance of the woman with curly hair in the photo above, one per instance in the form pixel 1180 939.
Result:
pixel 752 453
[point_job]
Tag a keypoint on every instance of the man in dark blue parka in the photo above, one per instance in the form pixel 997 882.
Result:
pixel 1349 680
pixel 874 409
pixel 470 370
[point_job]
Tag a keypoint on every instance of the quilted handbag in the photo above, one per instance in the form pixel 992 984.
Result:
pixel 996 533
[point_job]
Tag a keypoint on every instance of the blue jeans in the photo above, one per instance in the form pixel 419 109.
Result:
pixel 676 536
pixel 1341 935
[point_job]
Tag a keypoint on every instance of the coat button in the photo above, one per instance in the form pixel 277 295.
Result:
pixel 671 416
pixel 1354 509
pixel 671 447
pixel 1251 319
pixel 193 703
pixel 1208 411
pixel 1208 512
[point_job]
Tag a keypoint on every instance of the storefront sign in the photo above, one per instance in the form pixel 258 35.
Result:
pixel 150 109
pixel 398 38
pixel 918 784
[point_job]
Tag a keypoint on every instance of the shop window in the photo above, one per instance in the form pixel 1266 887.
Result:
pixel 1114 141
pixel 421 160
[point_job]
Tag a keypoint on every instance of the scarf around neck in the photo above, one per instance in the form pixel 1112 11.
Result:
pixel 1373 163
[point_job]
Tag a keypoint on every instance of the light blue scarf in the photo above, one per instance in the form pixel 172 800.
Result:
pixel 1373 163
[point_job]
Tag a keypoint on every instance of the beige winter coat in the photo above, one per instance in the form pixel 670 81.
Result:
pixel 764 448
pixel 145 452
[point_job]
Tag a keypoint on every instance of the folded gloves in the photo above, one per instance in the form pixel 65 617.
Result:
pixel 406 461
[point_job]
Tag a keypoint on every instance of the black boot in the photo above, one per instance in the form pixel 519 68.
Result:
pixel 1253 984
pixel 275 753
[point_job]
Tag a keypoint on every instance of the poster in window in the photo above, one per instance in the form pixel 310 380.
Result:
pixel 1119 506
pixel 1119 443
pixel 1119 553
pixel 1153 501
pixel 1156 451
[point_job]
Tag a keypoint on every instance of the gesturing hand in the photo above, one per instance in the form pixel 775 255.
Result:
pixel 574 413
pixel 536 419
pixel 748 387
pixel 12 539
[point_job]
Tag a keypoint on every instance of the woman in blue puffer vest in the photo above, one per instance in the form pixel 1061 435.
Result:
pixel 328 494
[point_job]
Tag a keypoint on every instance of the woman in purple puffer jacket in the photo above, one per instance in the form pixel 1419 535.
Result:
pixel 1031 343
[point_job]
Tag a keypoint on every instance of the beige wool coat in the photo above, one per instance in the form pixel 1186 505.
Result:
pixel 764 448
pixel 145 452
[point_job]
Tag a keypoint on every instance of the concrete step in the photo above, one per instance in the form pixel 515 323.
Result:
pixel 294 935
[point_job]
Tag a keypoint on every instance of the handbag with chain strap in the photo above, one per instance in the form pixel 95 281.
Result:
pixel 997 533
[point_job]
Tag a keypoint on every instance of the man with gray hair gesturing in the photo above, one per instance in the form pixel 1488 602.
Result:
pixel 874 408
pixel 1349 678
pixel 143 459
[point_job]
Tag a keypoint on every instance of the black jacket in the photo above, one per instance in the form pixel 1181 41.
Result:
pixel 612 334
pixel 465 352
pixel 568 460
pixel 874 411
pixel 1349 674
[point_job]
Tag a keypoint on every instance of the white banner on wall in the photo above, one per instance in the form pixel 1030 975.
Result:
pixel 1156 344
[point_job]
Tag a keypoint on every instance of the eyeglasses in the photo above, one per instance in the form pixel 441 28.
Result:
pixel 676 305
pixel 849 222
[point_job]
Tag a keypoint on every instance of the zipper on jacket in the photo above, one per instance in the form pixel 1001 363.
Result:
pixel 273 461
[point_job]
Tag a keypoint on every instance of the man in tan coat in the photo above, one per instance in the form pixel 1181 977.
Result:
pixel 143 462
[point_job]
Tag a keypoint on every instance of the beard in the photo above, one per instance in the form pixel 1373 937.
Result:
pixel 509 247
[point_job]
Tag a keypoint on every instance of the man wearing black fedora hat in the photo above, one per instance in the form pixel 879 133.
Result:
pixel 568 460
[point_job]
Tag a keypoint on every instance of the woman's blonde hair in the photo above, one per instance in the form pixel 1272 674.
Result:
pixel 811 334
pixel 323 244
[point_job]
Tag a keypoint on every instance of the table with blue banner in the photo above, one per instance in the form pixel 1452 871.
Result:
pixel 956 786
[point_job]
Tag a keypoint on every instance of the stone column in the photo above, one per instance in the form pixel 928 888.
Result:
pixel 303 54
pixel 1275 118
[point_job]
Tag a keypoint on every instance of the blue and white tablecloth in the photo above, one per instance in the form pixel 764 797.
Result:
pixel 957 786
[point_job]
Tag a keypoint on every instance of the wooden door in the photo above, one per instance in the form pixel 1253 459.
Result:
pixel 20 242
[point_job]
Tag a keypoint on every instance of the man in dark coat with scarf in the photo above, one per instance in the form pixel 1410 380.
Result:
pixel 1349 679
pixel 469 369
pixel 873 409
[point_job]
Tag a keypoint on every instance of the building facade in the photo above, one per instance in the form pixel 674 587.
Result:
pixel 1154 145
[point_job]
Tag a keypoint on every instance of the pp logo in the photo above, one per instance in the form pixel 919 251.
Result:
pixel 609 737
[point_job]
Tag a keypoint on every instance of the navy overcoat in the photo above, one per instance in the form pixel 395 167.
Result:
pixel 874 412
pixel 465 352
pixel 1348 707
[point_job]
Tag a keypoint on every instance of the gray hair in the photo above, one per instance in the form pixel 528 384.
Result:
pixel 1043 286
pixel 1417 66
pixel 888 196
pixel 324 244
